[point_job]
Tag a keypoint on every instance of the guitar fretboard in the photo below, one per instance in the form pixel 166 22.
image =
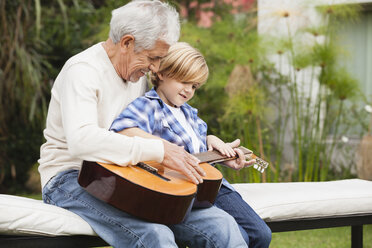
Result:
pixel 215 157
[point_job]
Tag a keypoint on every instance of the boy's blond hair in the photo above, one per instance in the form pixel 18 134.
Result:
pixel 183 63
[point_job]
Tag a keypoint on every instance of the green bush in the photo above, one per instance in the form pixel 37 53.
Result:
pixel 36 40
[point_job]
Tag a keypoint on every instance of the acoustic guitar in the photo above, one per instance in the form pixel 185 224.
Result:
pixel 155 193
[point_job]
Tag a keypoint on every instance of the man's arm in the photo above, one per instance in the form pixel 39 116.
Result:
pixel 175 157
pixel 85 139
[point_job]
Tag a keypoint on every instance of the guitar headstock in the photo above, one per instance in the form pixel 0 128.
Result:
pixel 260 164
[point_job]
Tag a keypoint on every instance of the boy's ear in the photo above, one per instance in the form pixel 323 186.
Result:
pixel 160 76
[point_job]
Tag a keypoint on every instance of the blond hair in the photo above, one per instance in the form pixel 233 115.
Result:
pixel 183 63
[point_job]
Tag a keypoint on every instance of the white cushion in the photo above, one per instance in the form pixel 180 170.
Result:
pixel 22 216
pixel 283 201
pixel 272 201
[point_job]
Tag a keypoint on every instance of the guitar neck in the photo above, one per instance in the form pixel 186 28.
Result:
pixel 216 157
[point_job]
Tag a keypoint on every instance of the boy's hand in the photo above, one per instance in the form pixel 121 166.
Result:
pixel 216 143
pixel 241 161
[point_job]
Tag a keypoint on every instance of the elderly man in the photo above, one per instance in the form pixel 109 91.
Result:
pixel 89 92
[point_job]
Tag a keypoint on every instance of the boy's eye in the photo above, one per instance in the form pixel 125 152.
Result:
pixel 195 86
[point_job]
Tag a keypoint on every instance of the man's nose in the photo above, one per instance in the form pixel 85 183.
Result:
pixel 154 66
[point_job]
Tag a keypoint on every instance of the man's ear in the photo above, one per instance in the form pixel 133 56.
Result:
pixel 127 42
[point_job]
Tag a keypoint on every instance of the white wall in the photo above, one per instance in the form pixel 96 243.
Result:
pixel 301 13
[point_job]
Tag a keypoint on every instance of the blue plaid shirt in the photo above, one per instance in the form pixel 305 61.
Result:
pixel 150 114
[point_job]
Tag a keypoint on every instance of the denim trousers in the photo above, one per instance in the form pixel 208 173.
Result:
pixel 254 230
pixel 211 227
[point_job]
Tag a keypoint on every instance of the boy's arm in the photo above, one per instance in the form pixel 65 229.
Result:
pixel 136 120
pixel 135 131
pixel 175 157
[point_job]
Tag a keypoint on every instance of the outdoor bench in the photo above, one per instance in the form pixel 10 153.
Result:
pixel 284 206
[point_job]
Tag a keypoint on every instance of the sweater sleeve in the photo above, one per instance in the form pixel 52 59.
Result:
pixel 79 101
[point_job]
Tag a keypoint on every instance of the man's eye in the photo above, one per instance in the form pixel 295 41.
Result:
pixel 154 58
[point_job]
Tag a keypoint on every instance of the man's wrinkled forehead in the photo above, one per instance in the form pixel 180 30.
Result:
pixel 160 49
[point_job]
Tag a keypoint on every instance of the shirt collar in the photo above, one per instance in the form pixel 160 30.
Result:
pixel 152 94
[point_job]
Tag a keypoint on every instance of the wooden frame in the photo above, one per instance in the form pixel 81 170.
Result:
pixel 356 223
pixel 81 241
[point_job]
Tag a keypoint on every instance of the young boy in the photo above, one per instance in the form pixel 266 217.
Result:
pixel 164 112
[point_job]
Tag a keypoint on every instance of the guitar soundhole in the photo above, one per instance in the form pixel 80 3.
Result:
pixel 152 170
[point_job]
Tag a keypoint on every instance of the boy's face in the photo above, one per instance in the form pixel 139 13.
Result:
pixel 174 92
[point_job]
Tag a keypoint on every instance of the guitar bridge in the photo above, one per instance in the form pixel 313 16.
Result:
pixel 152 170
pixel 147 167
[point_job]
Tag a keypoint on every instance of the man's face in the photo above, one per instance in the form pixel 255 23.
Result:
pixel 136 64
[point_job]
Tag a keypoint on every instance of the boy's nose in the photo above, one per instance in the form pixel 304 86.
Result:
pixel 188 87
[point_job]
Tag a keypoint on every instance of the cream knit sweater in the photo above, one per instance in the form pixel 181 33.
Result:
pixel 86 97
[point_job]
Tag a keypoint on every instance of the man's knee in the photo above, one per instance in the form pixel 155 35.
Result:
pixel 264 236
pixel 157 233
pixel 228 230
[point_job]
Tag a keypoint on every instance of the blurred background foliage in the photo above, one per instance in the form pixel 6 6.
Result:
pixel 246 96
pixel 37 37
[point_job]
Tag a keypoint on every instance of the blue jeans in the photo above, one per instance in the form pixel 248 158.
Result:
pixel 209 227
pixel 254 230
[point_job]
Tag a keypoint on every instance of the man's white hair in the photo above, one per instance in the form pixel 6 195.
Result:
pixel 148 21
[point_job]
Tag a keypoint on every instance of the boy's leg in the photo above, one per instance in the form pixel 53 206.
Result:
pixel 114 226
pixel 258 232
pixel 209 227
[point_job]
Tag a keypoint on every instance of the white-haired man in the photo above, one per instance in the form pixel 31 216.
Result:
pixel 92 88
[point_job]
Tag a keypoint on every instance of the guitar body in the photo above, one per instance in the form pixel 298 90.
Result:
pixel 163 197
pixel 153 192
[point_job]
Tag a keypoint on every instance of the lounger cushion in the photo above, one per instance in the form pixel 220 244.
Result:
pixel 272 201
pixel 298 200
pixel 20 215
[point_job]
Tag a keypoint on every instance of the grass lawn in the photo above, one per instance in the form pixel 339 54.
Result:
pixel 339 237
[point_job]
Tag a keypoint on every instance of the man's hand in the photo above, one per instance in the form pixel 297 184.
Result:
pixel 176 158
pixel 241 161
